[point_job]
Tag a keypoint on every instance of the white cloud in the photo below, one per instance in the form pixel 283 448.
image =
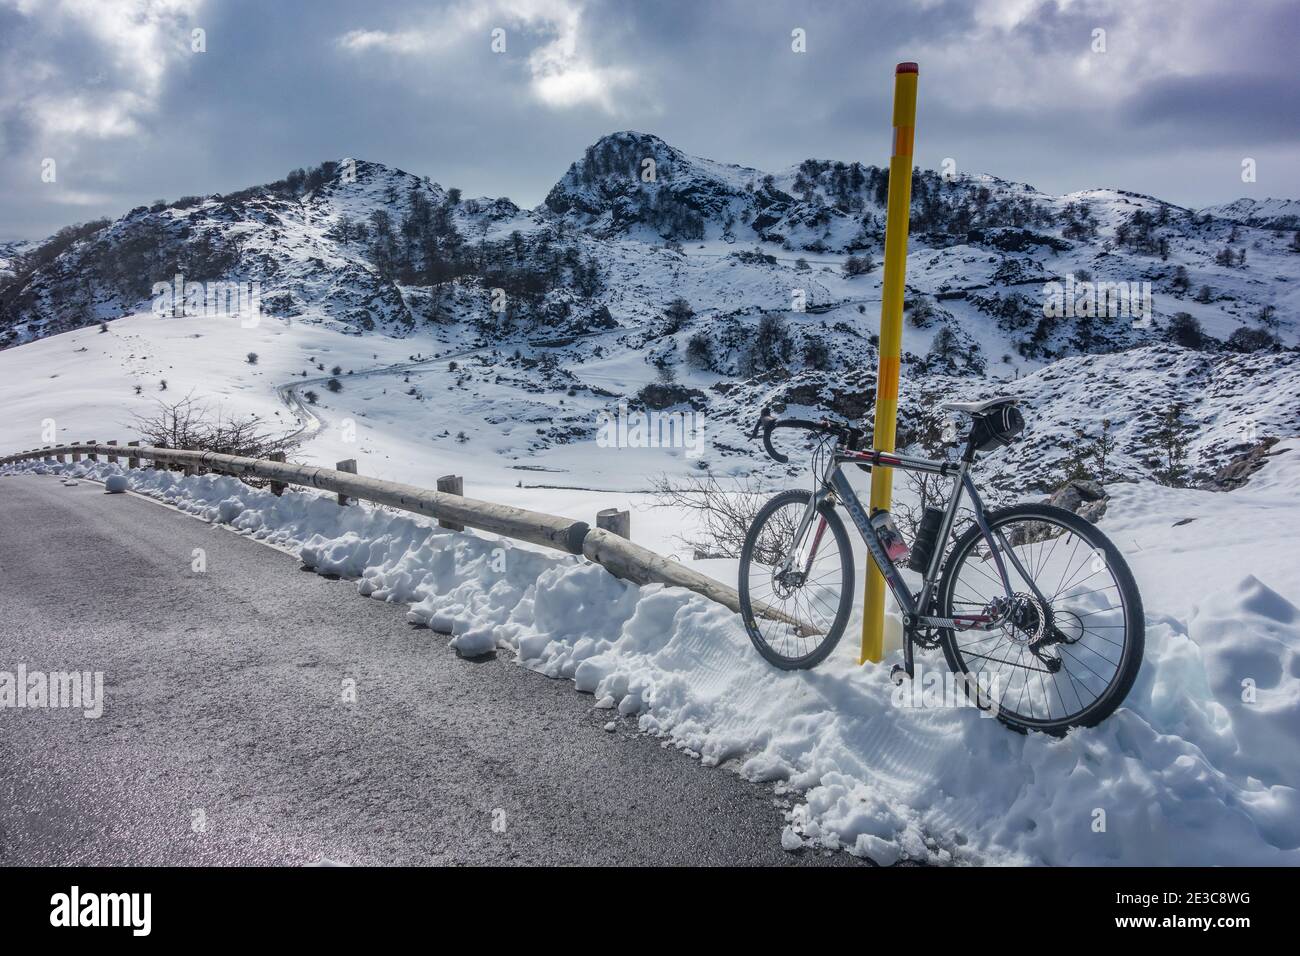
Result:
pixel 561 77
pixel 133 43
pixel 561 74
pixel 359 40
pixel 1037 54
pixel 75 197
pixel 574 85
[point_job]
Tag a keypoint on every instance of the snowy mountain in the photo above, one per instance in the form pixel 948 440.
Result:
pixel 633 184
pixel 285 236
pixel 9 254
pixel 1266 213
pixel 659 278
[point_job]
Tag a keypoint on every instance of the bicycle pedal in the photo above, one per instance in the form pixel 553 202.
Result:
pixel 897 673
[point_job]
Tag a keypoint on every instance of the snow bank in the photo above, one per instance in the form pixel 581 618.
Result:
pixel 1200 767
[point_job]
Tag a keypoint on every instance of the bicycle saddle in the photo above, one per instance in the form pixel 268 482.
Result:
pixel 977 408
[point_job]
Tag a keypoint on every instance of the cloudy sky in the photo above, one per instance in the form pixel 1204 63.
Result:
pixel 1168 100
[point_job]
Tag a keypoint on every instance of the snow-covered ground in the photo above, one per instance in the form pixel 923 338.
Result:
pixel 81 385
pixel 1200 766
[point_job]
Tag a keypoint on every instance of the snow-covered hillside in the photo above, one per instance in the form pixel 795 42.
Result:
pixel 9 253
pixel 372 247
pixel 471 335
pixel 1269 213
pixel 777 302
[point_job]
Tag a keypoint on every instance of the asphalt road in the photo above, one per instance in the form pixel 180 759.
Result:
pixel 225 737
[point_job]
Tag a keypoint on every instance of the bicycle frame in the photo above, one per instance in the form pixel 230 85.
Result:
pixel 834 486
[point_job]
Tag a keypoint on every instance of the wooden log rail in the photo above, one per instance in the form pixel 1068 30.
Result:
pixel 616 554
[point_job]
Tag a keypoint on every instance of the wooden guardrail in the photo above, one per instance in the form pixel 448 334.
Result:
pixel 616 554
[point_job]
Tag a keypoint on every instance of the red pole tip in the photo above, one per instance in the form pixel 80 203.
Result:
pixel 907 68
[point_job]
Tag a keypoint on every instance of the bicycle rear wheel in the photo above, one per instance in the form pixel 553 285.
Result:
pixel 795 616
pixel 1065 660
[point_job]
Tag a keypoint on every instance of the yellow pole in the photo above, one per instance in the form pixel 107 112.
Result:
pixel 891 339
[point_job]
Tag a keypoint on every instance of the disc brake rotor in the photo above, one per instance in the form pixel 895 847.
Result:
pixel 785 583
pixel 1024 619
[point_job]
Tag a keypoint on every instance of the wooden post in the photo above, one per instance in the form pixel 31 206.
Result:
pixel 350 466
pixel 277 487
pixel 76 457
pixel 112 458
pixel 133 461
pixel 452 485
pixel 186 469
pixel 93 456
pixel 615 521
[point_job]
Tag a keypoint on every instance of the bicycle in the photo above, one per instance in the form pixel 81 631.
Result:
pixel 1043 656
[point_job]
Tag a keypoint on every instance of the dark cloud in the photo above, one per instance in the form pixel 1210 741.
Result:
pixel 1185 90
pixel 1222 109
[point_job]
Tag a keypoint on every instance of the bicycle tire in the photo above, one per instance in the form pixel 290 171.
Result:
pixel 1134 621
pixel 845 603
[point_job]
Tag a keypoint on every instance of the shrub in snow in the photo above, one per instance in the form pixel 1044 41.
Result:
pixel 859 265
pixel 1185 330
pixel 1246 339
pixel 188 424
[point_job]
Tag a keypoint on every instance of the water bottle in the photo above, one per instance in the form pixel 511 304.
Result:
pixel 890 537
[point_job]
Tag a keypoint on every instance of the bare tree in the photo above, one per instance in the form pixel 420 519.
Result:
pixel 189 425
pixel 725 512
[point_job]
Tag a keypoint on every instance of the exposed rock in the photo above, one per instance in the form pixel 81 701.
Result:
pixel 659 396
pixel 850 395
pixel 1082 496
pixel 1014 240
pixel 1093 510
pixel 1238 471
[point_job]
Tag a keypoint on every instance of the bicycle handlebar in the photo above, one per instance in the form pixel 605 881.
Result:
pixel 767 422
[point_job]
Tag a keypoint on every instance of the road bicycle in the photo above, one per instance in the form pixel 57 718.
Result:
pixel 1035 609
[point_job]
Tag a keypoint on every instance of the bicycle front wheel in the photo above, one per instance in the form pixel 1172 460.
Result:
pixel 1064 650
pixel 795 595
